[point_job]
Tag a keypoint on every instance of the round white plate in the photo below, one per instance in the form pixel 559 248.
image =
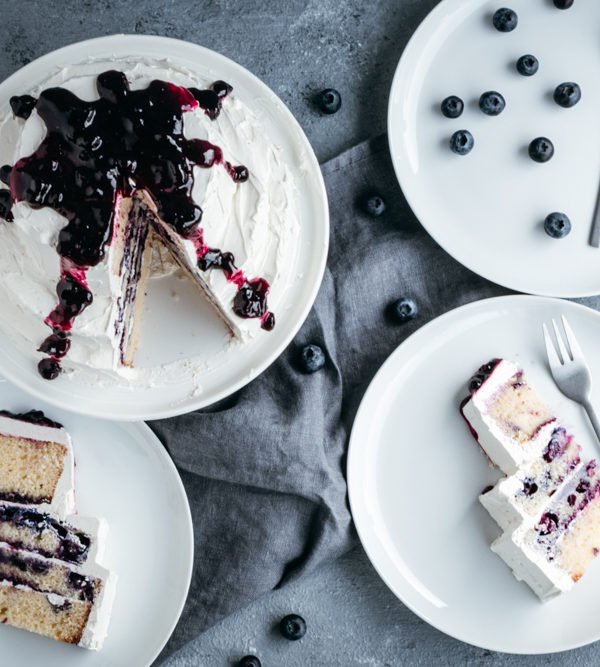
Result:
pixel 487 208
pixel 188 326
pixel 415 472
pixel 123 474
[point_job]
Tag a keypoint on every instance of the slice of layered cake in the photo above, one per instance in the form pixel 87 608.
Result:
pixel 51 580
pixel 549 503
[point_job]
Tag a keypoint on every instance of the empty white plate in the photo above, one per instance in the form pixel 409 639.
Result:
pixel 123 474
pixel 415 472
pixel 487 208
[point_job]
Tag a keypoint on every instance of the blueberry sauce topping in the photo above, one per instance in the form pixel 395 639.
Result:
pixel 5 170
pixel 483 373
pixel 96 152
pixel 33 417
pixel 56 345
pixel 22 105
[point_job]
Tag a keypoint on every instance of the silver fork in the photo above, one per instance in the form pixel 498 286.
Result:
pixel 571 373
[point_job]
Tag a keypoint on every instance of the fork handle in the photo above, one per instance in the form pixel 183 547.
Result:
pixel 593 418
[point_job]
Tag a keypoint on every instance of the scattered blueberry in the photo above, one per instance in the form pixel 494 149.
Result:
pixel 462 142
pixel 557 225
pixel 375 205
pixel 527 65
pixel 49 369
pixel 5 170
pixel 541 149
pixel 292 627
pixel 329 100
pixel 505 20
pixel 452 106
pixel 567 94
pixel 563 4
pixel 403 310
pixel 492 103
pixel 312 358
pixel 249 661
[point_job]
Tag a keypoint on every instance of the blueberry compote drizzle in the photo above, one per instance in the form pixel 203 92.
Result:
pixel 33 417
pixel 96 152
pixel 483 373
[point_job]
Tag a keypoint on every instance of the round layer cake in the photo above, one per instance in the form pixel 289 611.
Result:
pixel 242 249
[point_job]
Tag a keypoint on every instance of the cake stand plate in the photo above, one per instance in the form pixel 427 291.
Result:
pixel 123 474
pixel 415 473
pixel 186 327
pixel 487 208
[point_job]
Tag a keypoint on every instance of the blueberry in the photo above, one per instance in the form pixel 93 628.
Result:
pixel 452 106
pixel 492 103
pixel 567 94
pixel 403 310
pixel 528 65
pixel 505 20
pixel 374 205
pixel 462 142
pixel 557 225
pixel 329 100
pixel 292 627
pixel 541 149
pixel 49 369
pixel 312 358
pixel 249 661
pixel 563 4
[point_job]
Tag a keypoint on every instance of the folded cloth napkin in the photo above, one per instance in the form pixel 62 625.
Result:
pixel 264 470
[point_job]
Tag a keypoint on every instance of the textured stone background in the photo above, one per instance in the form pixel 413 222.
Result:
pixel 296 47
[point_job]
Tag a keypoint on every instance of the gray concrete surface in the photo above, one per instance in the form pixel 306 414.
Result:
pixel 296 47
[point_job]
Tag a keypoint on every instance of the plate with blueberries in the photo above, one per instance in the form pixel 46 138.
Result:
pixel 495 139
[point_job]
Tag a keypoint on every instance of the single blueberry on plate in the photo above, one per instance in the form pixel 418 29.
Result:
pixel 403 310
pixel 292 627
pixel 374 205
pixel 567 94
pixel 557 225
pixel 249 661
pixel 312 358
pixel 505 20
pixel 452 106
pixel 492 103
pixel 563 4
pixel 329 100
pixel 527 65
pixel 462 142
pixel 541 149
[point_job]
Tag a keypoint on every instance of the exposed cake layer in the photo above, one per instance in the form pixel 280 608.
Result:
pixel 523 495
pixel 47 614
pixel 36 465
pixel 507 417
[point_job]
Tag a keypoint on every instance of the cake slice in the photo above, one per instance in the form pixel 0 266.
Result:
pixel 51 580
pixel 36 462
pixel 549 503
pixel 506 416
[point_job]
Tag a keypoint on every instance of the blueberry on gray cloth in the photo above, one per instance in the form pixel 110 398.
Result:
pixel 292 627
pixel 249 661
pixel 312 358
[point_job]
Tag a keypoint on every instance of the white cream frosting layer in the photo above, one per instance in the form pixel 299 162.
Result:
pixel 256 221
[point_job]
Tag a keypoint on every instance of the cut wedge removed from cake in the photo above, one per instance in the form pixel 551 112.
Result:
pixel 51 579
pixel 548 505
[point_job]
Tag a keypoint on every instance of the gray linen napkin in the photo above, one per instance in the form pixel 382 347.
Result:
pixel 265 469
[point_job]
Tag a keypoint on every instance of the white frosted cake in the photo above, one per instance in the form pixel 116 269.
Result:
pixel 104 171
pixel 51 579
pixel 548 505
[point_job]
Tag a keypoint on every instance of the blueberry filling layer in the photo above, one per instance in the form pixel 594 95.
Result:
pixel 72 545
pixel 483 373
pixel 96 152
pixel 32 417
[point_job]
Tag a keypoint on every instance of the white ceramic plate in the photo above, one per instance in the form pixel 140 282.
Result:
pixel 188 327
pixel 487 208
pixel 415 472
pixel 124 474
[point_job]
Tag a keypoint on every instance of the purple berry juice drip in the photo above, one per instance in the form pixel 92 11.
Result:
pixel 96 152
